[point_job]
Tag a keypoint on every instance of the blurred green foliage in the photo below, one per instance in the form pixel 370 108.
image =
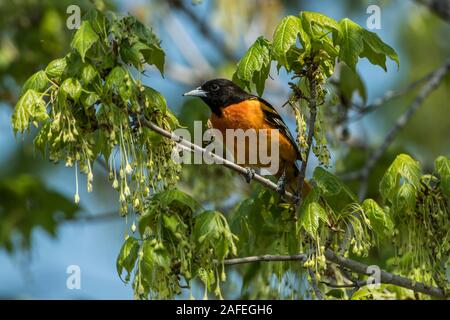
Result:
pixel 32 33
pixel 26 203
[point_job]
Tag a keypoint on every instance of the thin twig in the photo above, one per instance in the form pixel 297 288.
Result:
pixel 266 258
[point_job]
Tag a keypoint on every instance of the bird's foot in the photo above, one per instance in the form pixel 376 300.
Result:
pixel 249 175
pixel 281 184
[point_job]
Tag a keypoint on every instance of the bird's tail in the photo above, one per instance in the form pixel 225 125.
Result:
pixel 292 181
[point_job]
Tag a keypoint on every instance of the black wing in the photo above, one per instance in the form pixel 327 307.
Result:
pixel 274 118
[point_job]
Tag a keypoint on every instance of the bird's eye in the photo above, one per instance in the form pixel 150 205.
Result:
pixel 214 87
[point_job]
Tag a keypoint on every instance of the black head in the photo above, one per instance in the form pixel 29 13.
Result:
pixel 219 93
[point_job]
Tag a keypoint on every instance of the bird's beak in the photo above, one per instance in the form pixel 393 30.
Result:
pixel 196 93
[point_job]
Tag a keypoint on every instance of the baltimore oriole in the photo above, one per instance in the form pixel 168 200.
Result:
pixel 234 108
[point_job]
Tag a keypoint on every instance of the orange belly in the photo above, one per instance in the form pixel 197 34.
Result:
pixel 248 115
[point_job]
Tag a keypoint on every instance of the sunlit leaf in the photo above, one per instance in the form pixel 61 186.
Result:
pixel 403 167
pixel 310 19
pixel 72 87
pixel 30 107
pixel 56 68
pixel 405 198
pixel 38 82
pixel 442 167
pixel 380 220
pixel 127 257
pixel 88 74
pixel 254 67
pixel 84 38
pixel 376 50
pixel 285 36
pixel 350 42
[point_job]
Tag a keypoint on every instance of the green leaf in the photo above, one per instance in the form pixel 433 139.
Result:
pixel 149 46
pixel 445 186
pixel 331 185
pixel 88 74
pixel 88 99
pixel 211 230
pixel 328 183
pixel 376 50
pixel 254 67
pixel 56 68
pixel 336 293
pixel 115 78
pixel 207 225
pixel 72 87
pixel 171 222
pixel 362 294
pixel 131 55
pixel 403 167
pixel 442 167
pixel 155 56
pixel 310 218
pixel 74 65
pixel 154 256
pixel 171 196
pixel 144 34
pixel 310 213
pixel 127 257
pixel 380 220
pixel 38 82
pixel 310 19
pixel 405 197
pixel 84 38
pixel 30 107
pixel 350 41
pixel 102 144
pixel 154 100
pixel 98 21
pixel 285 36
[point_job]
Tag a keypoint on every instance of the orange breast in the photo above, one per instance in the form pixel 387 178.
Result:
pixel 249 115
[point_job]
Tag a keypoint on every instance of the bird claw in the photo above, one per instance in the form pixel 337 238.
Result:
pixel 281 184
pixel 249 175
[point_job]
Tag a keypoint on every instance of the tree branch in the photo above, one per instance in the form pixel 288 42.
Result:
pixel 385 277
pixel 314 284
pixel 354 285
pixel 354 266
pixel 312 102
pixel 218 159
